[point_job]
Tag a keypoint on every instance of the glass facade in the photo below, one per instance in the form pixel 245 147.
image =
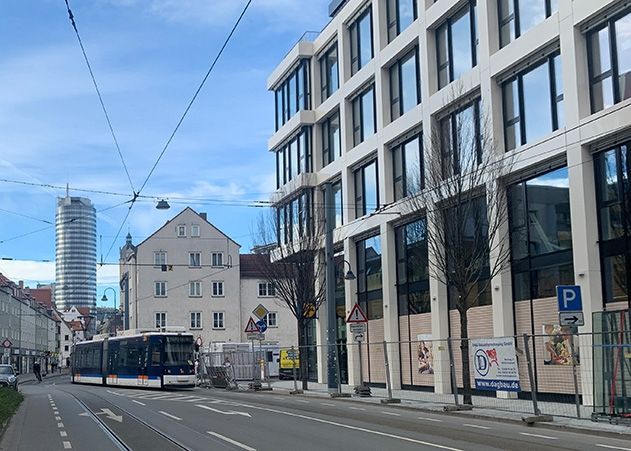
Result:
pixel 518 16
pixel 294 157
pixel 540 235
pixel 364 118
pixel 405 85
pixel 533 103
pixel 331 139
pixel 339 209
pixel 329 73
pixel 295 218
pixel 399 15
pixel 613 197
pixel 412 268
pixel 369 284
pixel 609 52
pixel 407 159
pixel 362 49
pixel 366 189
pixel 460 139
pixel 293 94
pixel 456 45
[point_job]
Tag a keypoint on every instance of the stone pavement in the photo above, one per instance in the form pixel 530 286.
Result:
pixel 484 407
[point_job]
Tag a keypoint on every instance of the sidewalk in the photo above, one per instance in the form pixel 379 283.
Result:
pixel 30 378
pixel 483 407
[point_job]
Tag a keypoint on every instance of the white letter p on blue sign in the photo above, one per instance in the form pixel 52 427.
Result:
pixel 569 298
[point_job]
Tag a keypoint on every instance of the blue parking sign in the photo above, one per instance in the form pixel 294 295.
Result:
pixel 569 298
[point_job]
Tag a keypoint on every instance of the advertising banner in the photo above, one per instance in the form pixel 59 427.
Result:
pixel 495 364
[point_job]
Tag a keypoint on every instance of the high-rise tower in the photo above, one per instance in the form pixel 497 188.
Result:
pixel 75 256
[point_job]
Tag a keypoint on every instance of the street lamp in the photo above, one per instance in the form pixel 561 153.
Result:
pixel 349 274
pixel 104 299
pixel 163 205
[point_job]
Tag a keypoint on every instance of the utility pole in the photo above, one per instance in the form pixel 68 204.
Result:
pixel 332 362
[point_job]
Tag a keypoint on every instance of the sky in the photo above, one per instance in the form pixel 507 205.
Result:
pixel 148 57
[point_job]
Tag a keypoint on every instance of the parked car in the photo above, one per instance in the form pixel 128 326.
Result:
pixel 8 378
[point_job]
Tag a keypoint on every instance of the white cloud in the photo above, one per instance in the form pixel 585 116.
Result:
pixel 34 272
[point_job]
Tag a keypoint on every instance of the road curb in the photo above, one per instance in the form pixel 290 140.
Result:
pixel 468 414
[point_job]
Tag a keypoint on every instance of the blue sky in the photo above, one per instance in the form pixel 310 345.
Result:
pixel 148 57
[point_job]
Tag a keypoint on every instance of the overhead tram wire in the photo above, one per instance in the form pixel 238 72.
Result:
pixel 190 104
pixel 98 92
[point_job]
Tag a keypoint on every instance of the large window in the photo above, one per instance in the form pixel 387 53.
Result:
pixel 195 259
pixel 460 136
pixel 216 259
pixel 456 45
pixel 196 320
pixel 217 288
pixel 366 189
pixel 329 73
pixel 533 103
pixel 218 320
pixel 337 199
pixel 609 51
pixel 400 14
pixel 294 218
pixel 160 289
pixel 407 158
pixel 195 289
pixel 266 289
pixel 518 16
pixel 364 118
pixel 540 235
pixel 361 41
pixel 159 258
pixel 613 194
pixel 331 139
pixel 369 285
pixel 161 319
pixel 294 157
pixel 412 268
pixel 405 86
pixel 293 94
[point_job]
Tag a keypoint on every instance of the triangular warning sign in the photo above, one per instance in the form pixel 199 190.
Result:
pixel 251 327
pixel 357 315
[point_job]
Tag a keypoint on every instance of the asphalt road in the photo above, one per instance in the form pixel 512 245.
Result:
pixel 58 415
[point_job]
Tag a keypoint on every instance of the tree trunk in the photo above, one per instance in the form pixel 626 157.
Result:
pixel 464 354
pixel 303 353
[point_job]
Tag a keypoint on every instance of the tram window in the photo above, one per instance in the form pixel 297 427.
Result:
pixel 155 357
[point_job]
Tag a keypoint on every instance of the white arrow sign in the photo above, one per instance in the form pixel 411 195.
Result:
pixel 231 412
pixel 110 415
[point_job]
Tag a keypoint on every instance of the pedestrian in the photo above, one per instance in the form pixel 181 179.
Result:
pixel 53 365
pixel 37 370
pixel 67 362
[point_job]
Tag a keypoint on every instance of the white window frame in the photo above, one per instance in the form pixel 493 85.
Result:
pixel 155 290
pixel 266 290
pixel 195 231
pixel 217 316
pixel 217 287
pixel 195 320
pixel 197 292
pixel 163 319
pixel 268 322
pixel 190 259
pixel 181 228
pixel 213 259
pixel 156 263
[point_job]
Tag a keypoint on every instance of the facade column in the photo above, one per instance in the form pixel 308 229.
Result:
pixel 390 304
pixel 350 293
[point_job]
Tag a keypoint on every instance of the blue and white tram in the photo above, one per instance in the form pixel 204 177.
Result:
pixel 144 359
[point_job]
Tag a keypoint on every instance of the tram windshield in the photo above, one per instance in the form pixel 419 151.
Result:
pixel 178 351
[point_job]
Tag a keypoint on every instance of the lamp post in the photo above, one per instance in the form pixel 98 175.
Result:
pixel 104 299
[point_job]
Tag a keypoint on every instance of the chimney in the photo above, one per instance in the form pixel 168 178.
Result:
pixel 21 284
pixel 204 216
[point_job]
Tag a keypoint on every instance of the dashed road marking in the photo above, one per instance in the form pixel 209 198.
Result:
pixel 302 401
pixel 67 445
pixel 166 414
pixel 436 420
pixel 63 433
pixel 477 426
pixel 60 425
pixel 356 408
pixel 391 413
pixel 328 404
pixel 138 402
pixel 234 442
pixel 600 445
pixel 539 436
pixel 57 418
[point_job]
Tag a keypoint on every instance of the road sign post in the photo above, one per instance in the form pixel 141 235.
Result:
pixel 357 320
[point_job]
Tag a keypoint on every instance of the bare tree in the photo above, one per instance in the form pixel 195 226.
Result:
pixel 295 266
pixel 459 187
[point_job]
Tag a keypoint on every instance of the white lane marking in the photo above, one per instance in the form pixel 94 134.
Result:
pixel 63 433
pixel 477 426
pixel 166 414
pixel 234 442
pixel 57 418
pixel 138 402
pixel 356 408
pixel 430 419
pixel 539 436
pixel 197 399
pixel 328 404
pixel 348 426
pixel 60 425
pixel 391 413
pixel 302 401
pixel 67 445
pixel 231 412
pixel 612 447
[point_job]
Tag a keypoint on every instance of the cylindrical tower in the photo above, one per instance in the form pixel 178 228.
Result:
pixel 75 253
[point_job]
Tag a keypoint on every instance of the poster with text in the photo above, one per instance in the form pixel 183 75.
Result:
pixel 495 364
pixel 425 354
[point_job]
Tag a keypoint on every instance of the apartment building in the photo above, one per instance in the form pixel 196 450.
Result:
pixel 188 273
pixel 356 104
